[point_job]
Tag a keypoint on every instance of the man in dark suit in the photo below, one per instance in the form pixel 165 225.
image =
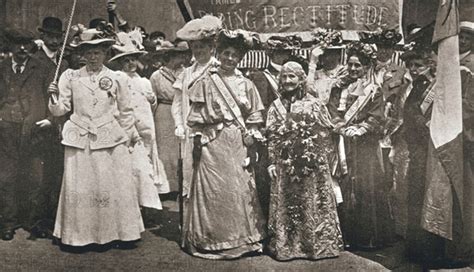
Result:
pixel 51 35
pixel 25 125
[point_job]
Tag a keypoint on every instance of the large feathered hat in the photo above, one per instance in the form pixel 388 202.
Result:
pixel 199 29
pixel 128 44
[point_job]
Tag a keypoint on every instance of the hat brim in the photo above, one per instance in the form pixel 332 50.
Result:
pixel 104 41
pixel 467 29
pixel 121 55
pixel 40 29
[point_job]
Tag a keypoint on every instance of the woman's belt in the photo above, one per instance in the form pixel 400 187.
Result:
pixel 164 101
pixel 91 125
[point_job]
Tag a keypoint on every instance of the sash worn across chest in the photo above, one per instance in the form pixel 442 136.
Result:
pixel 280 109
pixel 226 94
pixel 429 95
pixel 358 106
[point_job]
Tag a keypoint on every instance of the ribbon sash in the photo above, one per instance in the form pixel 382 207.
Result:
pixel 225 93
pixel 357 107
pixel 429 97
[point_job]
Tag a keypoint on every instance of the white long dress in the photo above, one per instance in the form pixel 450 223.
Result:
pixel 148 169
pixel 98 201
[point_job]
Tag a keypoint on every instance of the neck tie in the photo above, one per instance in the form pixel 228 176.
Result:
pixel 18 68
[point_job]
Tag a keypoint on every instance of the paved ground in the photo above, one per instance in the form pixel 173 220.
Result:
pixel 159 251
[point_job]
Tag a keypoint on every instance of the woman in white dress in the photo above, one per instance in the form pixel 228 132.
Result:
pixel 98 202
pixel 148 170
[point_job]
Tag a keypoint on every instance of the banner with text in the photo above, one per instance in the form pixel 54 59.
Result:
pixel 276 16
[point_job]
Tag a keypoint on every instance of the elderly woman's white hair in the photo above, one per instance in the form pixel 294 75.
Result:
pixel 297 69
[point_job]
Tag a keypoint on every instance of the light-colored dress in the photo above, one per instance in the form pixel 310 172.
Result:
pixel 303 220
pixel 168 144
pixel 180 111
pixel 147 166
pixel 98 201
pixel 223 218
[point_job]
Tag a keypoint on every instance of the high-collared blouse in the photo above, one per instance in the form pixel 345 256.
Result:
pixel 209 111
pixel 102 115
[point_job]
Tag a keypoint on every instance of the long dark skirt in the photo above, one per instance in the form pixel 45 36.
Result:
pixel 365 217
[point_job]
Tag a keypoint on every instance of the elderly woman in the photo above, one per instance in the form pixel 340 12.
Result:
pixel 223 218
pixel 303 217
pixel 356 106
pixel 98 202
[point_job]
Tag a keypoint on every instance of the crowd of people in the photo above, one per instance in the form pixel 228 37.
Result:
pixel 301 159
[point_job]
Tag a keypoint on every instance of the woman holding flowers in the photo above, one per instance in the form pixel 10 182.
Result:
pixel 356 108
pixel 303 221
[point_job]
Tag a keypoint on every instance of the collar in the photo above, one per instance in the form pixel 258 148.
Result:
pixel 465 54
pixel 381 65
pixel 275 66
pixel 133 75
pixel 407 76
pixel 50 54
pixel 14 63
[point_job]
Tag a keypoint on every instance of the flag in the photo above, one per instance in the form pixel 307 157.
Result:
pixel 444 183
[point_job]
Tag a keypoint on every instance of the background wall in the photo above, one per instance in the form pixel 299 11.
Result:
pixel 162 15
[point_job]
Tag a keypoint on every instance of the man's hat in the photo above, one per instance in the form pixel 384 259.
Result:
pixel 18 36
pixel 467 27
pixel 51 25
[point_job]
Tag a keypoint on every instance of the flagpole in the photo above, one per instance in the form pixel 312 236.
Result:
pixel 63 48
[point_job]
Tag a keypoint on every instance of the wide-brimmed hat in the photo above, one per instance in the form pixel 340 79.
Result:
pixel 199 29
pixel 327 39
pixel 289 42
pixel 51 25
pixel 387 37
pixel 241 39
pixel 166 47
pixel 90 36
pixel 467 26
pixel 128 44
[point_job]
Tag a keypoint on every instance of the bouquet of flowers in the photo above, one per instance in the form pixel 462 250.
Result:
pixel 301 144
pixel 326 38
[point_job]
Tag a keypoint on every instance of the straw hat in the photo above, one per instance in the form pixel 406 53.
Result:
pixel 90 36
pixel 128 44
pixel 467 27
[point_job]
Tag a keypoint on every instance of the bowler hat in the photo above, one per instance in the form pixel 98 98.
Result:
pixel 17 36
pixel 51 25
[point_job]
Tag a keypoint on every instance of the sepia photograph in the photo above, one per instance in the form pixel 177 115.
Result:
pixel 237 135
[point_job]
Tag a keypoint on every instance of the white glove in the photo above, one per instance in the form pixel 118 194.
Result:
pixel 43 123
pixel 180 132
pixel 272 171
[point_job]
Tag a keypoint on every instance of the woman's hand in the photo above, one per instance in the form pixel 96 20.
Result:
pixel 353 131
pixel 180 132
pixel 44 123
pixel 315 53
pixel 272 171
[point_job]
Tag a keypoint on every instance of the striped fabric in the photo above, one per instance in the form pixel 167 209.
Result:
pixel 258 59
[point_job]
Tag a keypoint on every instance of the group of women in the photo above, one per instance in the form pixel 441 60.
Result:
pixel 113 137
